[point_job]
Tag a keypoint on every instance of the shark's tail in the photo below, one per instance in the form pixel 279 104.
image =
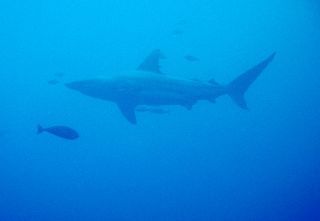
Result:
pixel 238 87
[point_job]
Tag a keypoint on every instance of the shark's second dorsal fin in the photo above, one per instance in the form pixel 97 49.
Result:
pixel 213 81
pixel 151 62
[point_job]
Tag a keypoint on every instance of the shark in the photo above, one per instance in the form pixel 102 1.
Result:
pixel 147 85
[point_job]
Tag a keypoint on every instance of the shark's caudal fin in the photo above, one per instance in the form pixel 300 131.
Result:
pixel 39 129
pixel 238 87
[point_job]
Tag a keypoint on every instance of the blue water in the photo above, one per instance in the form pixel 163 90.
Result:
pixel 215 162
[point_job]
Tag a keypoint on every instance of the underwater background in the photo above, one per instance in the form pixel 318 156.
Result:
pixel 215 162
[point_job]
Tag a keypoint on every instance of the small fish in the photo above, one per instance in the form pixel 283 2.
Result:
pixel 154 110
pixel 53 82
pixel 59 74
pixel 191 58
pixel 60 131
pixel 182 22
pixel 177 32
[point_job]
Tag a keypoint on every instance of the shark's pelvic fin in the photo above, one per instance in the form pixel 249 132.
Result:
pixel 238 87
pixel 151 62
pixel 128 111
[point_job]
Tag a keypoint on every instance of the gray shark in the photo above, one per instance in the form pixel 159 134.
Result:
pixel 147 85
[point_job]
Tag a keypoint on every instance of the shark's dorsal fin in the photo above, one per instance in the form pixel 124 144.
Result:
pixel 128 111
pixel 151 62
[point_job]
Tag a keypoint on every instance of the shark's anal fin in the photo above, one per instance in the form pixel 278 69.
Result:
pixel 128 111
pixel 188 104
pixel 151 62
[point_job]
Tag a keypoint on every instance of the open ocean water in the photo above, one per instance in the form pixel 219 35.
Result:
pixel 214 162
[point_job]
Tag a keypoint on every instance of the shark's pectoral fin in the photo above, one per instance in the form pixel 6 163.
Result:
pixel 128 111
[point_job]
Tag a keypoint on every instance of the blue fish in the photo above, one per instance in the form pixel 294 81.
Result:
pixel 191 58
pixel 59 131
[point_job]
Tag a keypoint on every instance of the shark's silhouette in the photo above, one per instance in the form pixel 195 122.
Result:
pixel 147 85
